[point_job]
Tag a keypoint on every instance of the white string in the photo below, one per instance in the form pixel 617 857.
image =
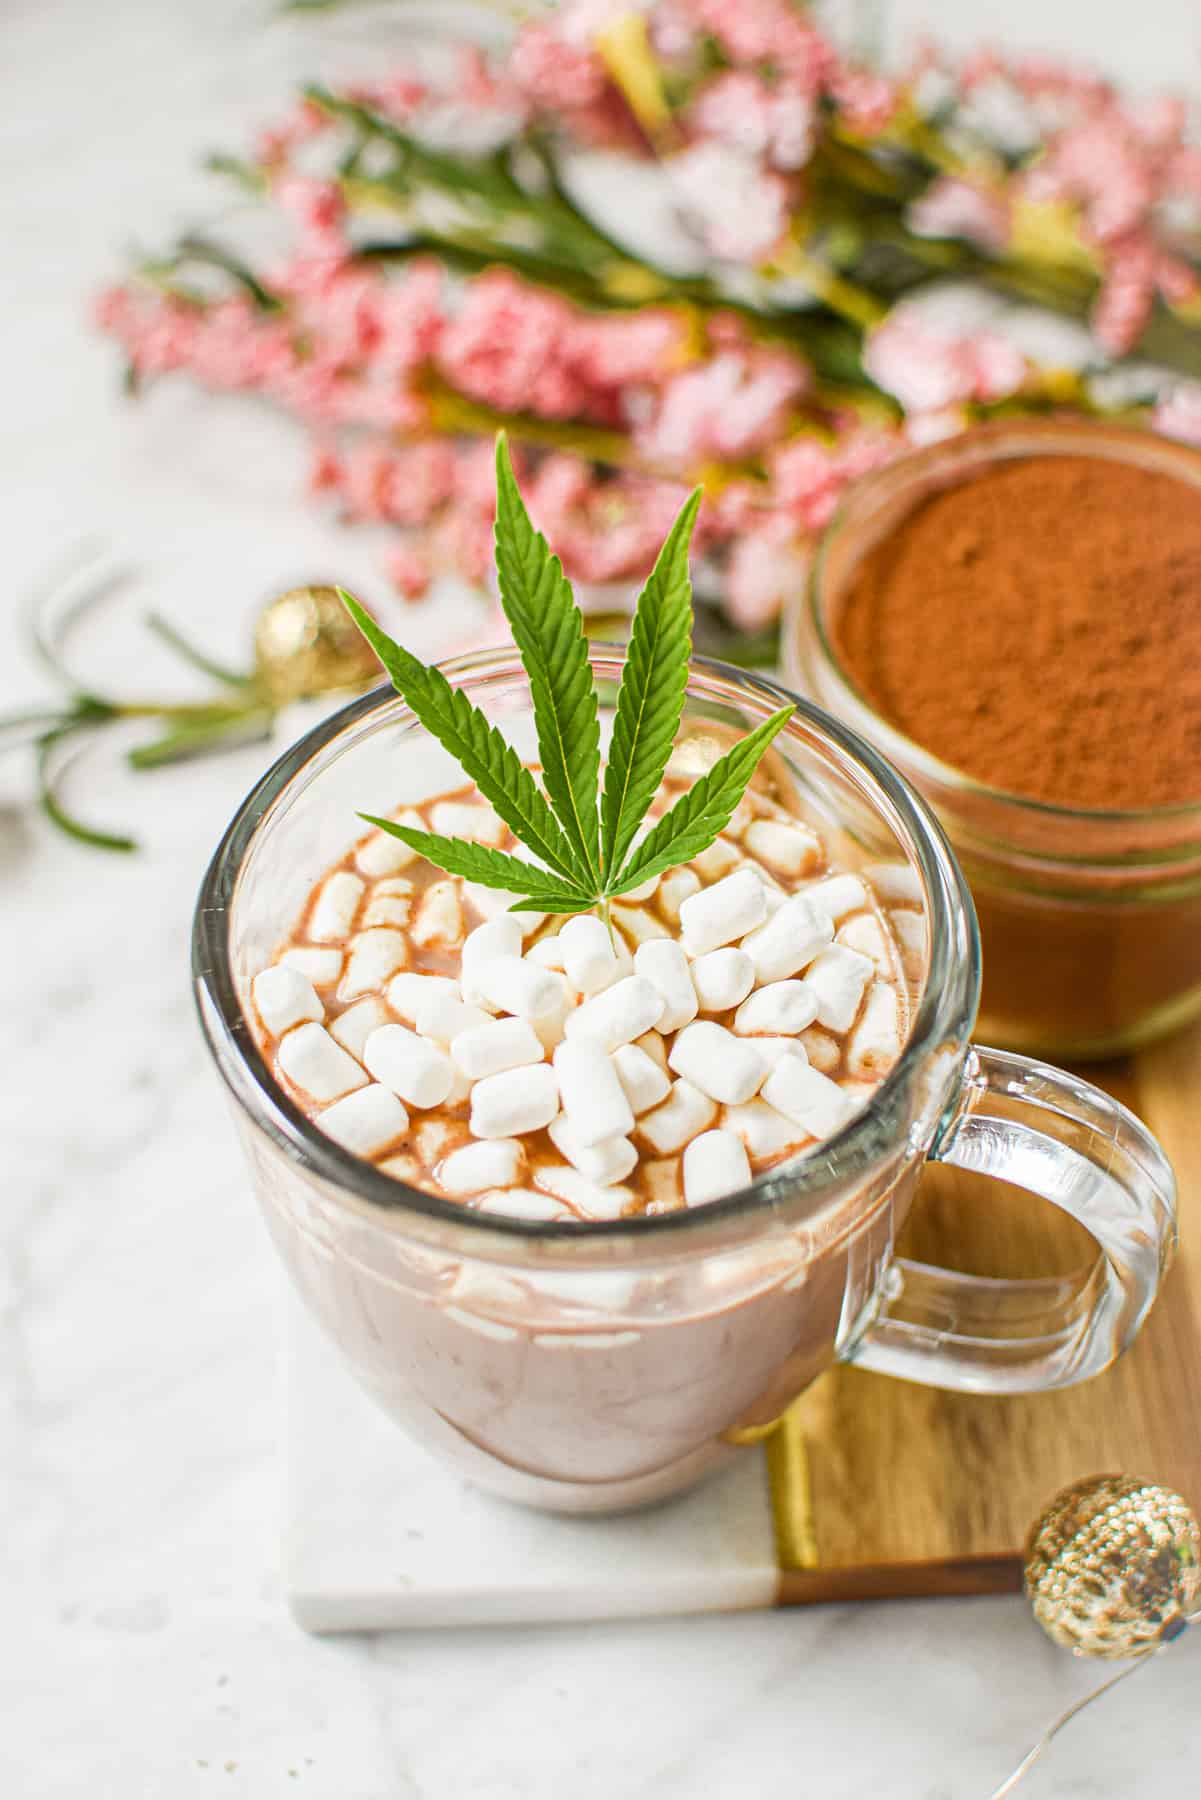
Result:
pixel 1175 1629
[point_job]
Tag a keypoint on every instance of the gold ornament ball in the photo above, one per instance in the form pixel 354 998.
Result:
pixel 305 643
pixel 1111 1563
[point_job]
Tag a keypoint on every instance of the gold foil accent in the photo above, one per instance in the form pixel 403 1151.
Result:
pixel 791 1492
pixel 306 643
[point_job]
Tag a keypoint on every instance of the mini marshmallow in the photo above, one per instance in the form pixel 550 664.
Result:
pixel 547 953
pixel 494 1045
pixel 387 909
pixel 365 1122
pixel 407 991
pixel 792 937
pixel 416 1070
pixel 522 1203
pixel 665 966
pixel 496 937
pixel 510 984
pixel 680 885
pixel 643 1082
pixel 684 1113
pixel 838 977
pixel 866 934
pixel 807 1097
pixel 824 1052
pixel 656 1049
pixel 723 912
pixel 619 1015
pixel 353 1027
pixel 909 930
pixel 721 1065
pixel 723 978
pixel 717 860
pixel 489 1163
pixel 715 1164
pixel 604 1163
pixel 789 849
pixel 589 959
pixel 441 1017
pixel 763 1130
pixel 321 967
pixel 439 917
pixel 586 1196
pixel 897 883
pixel 637 925
pixel 309 1057
pixel 335 906
pixel 518 1100
pixel 837 895
pixel 382 854
pixel 375 955
pixel 460 1087
pixel 284 997
pixel 590 1093
pixel 781 1008
pixel 549 1028
pixel 876 1043
pixel 479 824
pixel 772 1049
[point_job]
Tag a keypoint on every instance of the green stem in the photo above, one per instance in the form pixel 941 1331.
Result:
pixel 208 665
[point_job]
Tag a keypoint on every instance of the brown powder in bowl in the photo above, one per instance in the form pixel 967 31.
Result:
pixel 1039 628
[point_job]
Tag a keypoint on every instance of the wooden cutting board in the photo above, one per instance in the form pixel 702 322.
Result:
pixel 916 1491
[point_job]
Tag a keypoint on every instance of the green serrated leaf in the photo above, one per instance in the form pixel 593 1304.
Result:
pixel 548 629
pixel 478 863
pixel 555 903
pixel 698 816
pixel 651 699
pixel 479 749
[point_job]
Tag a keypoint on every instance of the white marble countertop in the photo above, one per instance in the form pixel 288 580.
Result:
pixel 144 1649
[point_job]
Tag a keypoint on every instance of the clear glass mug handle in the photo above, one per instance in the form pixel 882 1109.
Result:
pixel 1066 1141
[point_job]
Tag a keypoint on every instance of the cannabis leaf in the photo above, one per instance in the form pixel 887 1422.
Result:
pixel 651 698
pixel 549 633
pixel 586 854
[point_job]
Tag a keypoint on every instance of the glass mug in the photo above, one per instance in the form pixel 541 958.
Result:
pixel 588 1367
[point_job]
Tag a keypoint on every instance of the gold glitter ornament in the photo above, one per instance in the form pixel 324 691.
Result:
pixel 1113 1566
pixel 305 643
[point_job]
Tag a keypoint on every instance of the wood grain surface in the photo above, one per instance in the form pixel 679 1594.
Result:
pixel 917 1491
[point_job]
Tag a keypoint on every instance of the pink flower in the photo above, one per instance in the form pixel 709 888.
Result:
pixel 409 570
pixel 1178 412
pixel 763 572
pixel 503 348
pixel 775 123
pixel 928 367
pixel 1127 294
pixel 726 407
pixel 950 208
pixel 739 209
pixel 866 102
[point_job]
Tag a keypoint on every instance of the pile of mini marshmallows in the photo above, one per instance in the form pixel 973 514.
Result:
pixel 571 1038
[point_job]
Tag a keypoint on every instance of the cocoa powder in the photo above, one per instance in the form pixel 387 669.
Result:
pixel 1038 627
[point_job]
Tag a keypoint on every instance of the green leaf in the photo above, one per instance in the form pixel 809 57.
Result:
pixel 651 698
pixel 479 749
pixel 548 629
pixel 699 815
pixel 477 862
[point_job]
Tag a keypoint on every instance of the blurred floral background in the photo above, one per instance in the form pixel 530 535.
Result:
pixel 697 240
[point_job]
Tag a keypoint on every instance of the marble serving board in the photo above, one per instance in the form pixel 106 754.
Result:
pixel 910 1490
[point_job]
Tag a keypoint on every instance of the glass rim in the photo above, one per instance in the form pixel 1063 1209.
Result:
pixel 945 1012
pixel 1026 435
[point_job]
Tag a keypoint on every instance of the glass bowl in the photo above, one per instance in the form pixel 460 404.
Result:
pixel 1090 921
